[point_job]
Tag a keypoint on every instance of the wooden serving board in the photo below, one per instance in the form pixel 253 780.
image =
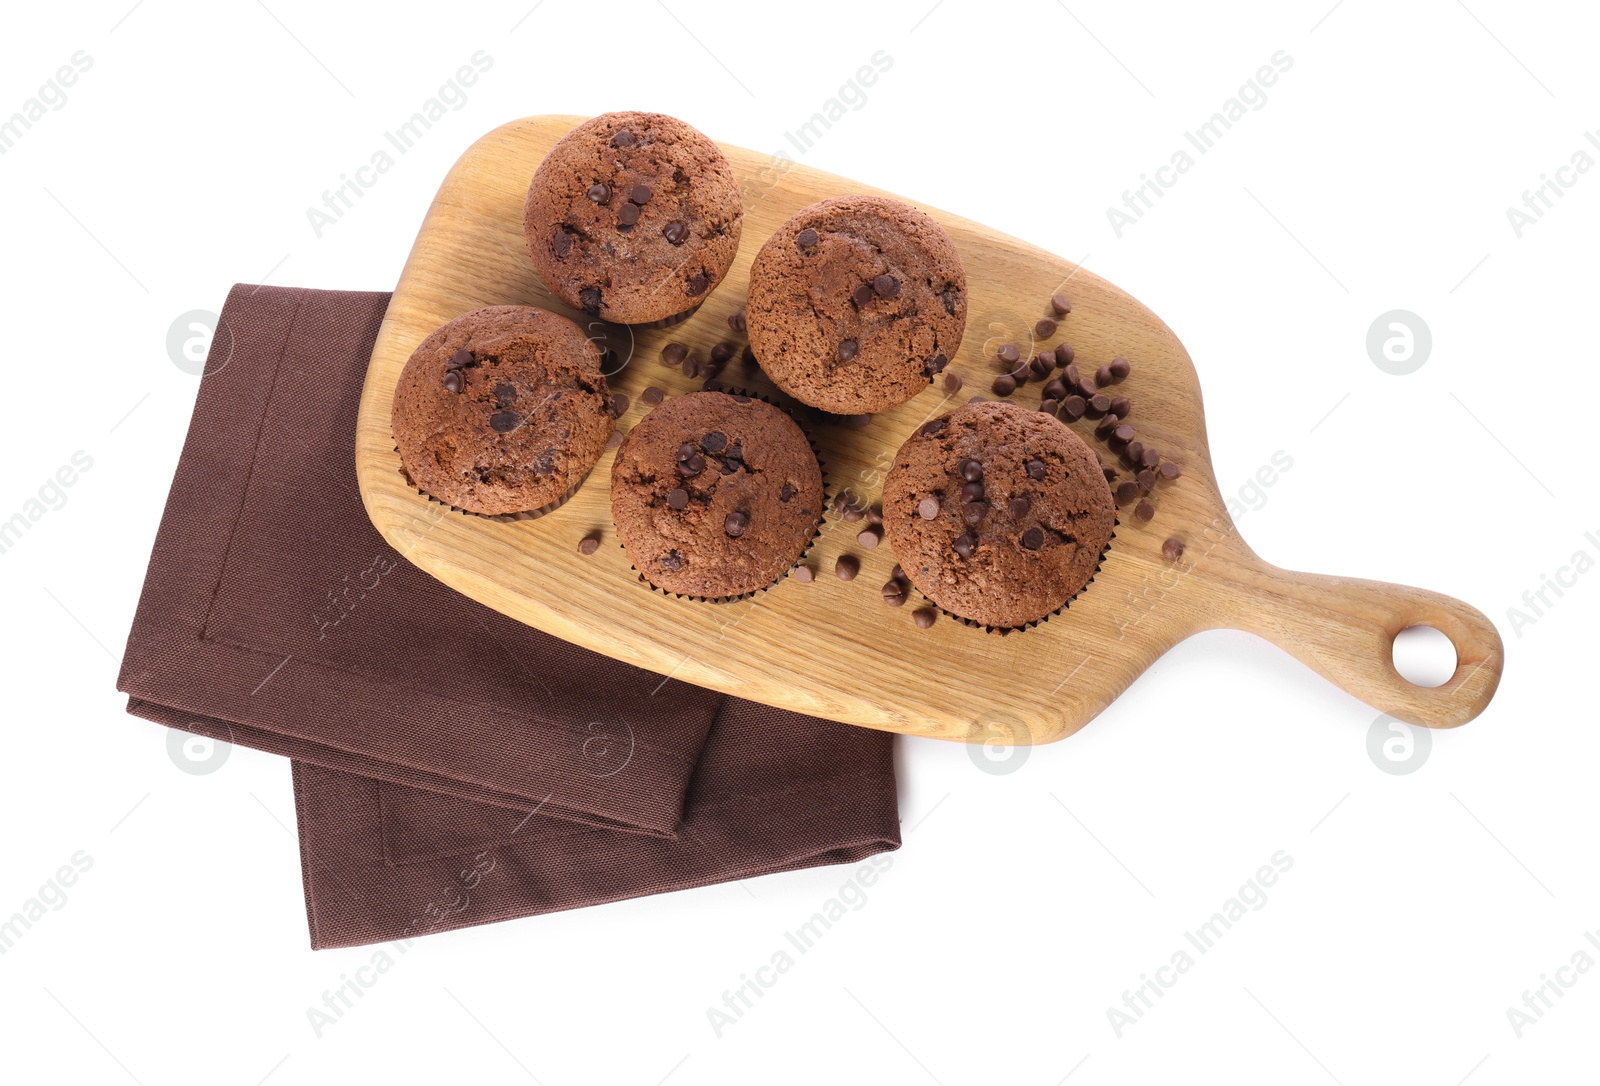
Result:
pixel 833 648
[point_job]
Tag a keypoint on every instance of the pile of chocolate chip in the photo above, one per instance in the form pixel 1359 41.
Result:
pixel 689 363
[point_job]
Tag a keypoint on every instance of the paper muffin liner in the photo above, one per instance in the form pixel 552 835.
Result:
pixel 503 518
pixel 1003 630
pixel 676 318
pixel 816 532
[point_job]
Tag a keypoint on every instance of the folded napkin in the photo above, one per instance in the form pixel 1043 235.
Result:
pixel 451 766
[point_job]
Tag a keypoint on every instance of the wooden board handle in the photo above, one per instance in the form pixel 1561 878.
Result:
pixel 1344 629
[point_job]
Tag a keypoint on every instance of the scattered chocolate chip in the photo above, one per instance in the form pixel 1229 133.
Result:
pixel 600 192
pixel 862 294
pixel 619 405
pixel 1008 353
pixel 1060 305
pixel 869 537
pixel 923 617
pixel 1100 403
pixel 1043 363
pixel 973 512
pixel 625 139
pixel 1018 506
pixel 803 573
pixel 748 355
pixel 1170 470
pixel 673 354
pixel 588 544
pixel 1134 453
pixel 1120 367
pixel 964 544
pixel 1064 354
pixel 672 560
pixel 853 512
pixel 970 470
pixel 1172 550
pixel 614 439
pixel 1121 407
pixel 652 395
pixel 1102 376
pixel 736 321
pixel 1056 389
pixel 675 232
pixel 678 498
pixel 1149 458
pixel 1123 433
pixel 928 507
pixel 887 286
pixel 1147 480
pixel 855 422
pixel 640 195
pixel 1004 385
pixel 1073 407
pixel 1048 406
pixel 1109 472
pixel 1087 388
pixel 1033 539
pixel 952 382
pixel 1069 375
pixel 875 514
pixel 1106 426
pixel 1035 469
pixel 806 239
pixel 1044 328
pixel 894 594
pixel 1127 490
pixel 697 284
pixel 503 422
pixel 452 381
pixel 721 353
pixel 628 214
pixel 1144 510
pixel 847 350
pixel 846 568
pixel 735 523
pixel 461 359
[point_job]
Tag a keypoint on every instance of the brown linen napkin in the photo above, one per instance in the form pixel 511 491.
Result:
pixel 452 766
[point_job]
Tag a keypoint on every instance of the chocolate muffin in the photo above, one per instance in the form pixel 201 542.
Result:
pixel 855 303
pixel 997 513
pixel 633 218
pixel 715 495
pixel 502 410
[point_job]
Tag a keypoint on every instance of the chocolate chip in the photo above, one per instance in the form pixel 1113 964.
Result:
pixel 855 422
pixel 1149 458
pixel 1120 367
pixel 875 513
pixel 1087 388
pixel 691 366
pixel 1069 375
pixel 1004 385
pixel 952 382
pixel 846 568
pixel 1106 426
pixel 1018 506
pixel 600 192
pixel 737 322
pixel 806 239
pixel 503 422
pixel 628 214
pixel 1144 510
pixel 747 356
pixel 614 439
pixel 847 350
pixel 970 470
pixel 1060 305
pixel 1073 407
pixel 1008 353
pixel 1043 363
pixel 853 512
pixel 461 359
pixel 1048 406
pixel 803 573
pixel 1127 490
pixel 589 299
pixel 588 544
pixel 735 523
pixel 1147 480
pixel 652 395
pixel 692 464
pixel 619 405
pixel 672 560
pixel 1109 472
pixel 787 492
pixel 869 537
pixel 721 353
pixel 932 427
pixel 1064 354
pixel 1100 403
pixel 697 285
pixel 714 442
pixel 452 381
pixel 1170 470
pixel 1102 376
pixel 561 244
pixel 673 354
pixel 972 492
pixel 923 617
pixel 1035 469
pixel 949 300
pixel 641 194
pixel 675 232
pixel 862 294
pixel 894 594
pixel 928 507
pixel 1044 328
pixel 936 365
pixel 973 512
pixel 678 498
pixel 624 139
pixel 1033 539
pixel 964 544
pixel 1123 433
pixel 1121 407
pixel 1172 550
pixel 887 286
pixel 1134 453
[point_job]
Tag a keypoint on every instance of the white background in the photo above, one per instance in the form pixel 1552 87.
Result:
pixel 1419 907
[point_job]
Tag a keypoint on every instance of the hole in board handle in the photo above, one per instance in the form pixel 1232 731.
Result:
pixel 1424 656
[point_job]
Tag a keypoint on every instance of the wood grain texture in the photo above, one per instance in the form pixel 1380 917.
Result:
pixel 832 648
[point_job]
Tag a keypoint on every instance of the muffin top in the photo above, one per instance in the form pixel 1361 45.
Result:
pixel 715 495
pixel 633 217
pixel 855 303
pixel 997 513
pixel 502 410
